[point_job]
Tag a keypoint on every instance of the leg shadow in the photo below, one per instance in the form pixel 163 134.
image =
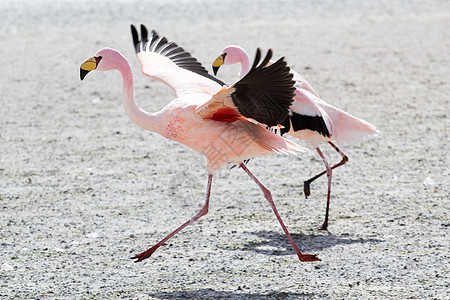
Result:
pixel 212 294
pixel 276 243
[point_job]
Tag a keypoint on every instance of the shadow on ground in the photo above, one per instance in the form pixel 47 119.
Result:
pixel 212 294
pixel 276 243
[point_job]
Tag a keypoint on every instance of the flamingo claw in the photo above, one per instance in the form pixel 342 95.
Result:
pixel 324 226
pixel 308 257
pixel 144 255
pixel 306 189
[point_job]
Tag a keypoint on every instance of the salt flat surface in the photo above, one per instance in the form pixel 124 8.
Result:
pixel 82 189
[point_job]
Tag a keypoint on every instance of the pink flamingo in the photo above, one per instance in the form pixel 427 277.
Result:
pixel 310 119
pixel 222 123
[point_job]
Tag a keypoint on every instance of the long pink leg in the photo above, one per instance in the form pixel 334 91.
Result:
pixel 307 183
pixel 147 253
pixel 268 196
pixel 329 173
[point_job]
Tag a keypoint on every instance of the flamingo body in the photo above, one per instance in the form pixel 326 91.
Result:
pixel 226 124
pixel 220 141
pixel 310 118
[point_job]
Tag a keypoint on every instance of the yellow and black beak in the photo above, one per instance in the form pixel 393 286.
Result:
pixel 89 65
pixel 218 62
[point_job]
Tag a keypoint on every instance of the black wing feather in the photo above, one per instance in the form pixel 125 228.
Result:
pixel 135 35
pixel 178 55
pixel 314 123
pixel 257 58
pixel 267 58
pixel 266 92
pixel 303 122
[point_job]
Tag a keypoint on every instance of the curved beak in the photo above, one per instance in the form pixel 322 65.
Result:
pixel 217 63
pixel 89 65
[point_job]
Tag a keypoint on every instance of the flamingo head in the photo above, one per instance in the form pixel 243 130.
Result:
pixel 230 55
pixel 104 60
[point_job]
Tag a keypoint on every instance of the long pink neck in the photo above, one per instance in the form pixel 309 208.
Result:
pixel 243 58
pixel 138 116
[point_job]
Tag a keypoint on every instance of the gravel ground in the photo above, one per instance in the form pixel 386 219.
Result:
pixel 82 189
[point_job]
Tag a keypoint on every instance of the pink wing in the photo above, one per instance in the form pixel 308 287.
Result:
pixel 167 62
pixel 264 94
pixel 306 101
pixel 347 129
pixel 301 83
pixel 252 100
pixel 343 127
pixel 222 108
pixel 306 104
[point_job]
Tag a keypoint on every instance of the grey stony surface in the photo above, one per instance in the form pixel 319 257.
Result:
pixel 82 189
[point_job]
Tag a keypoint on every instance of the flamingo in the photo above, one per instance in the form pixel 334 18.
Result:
pixel 310 119
pixel 226 124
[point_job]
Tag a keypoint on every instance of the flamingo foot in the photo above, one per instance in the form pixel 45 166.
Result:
pixel 306 188
pixel 146 254
pixel 308 257
pixel 324 226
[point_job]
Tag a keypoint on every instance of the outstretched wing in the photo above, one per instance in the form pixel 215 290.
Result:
pixel 301 83
pixel 264 94
pixel 167 62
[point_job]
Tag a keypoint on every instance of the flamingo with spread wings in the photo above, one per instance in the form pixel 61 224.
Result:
pixel 226 124
pixel 310 119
